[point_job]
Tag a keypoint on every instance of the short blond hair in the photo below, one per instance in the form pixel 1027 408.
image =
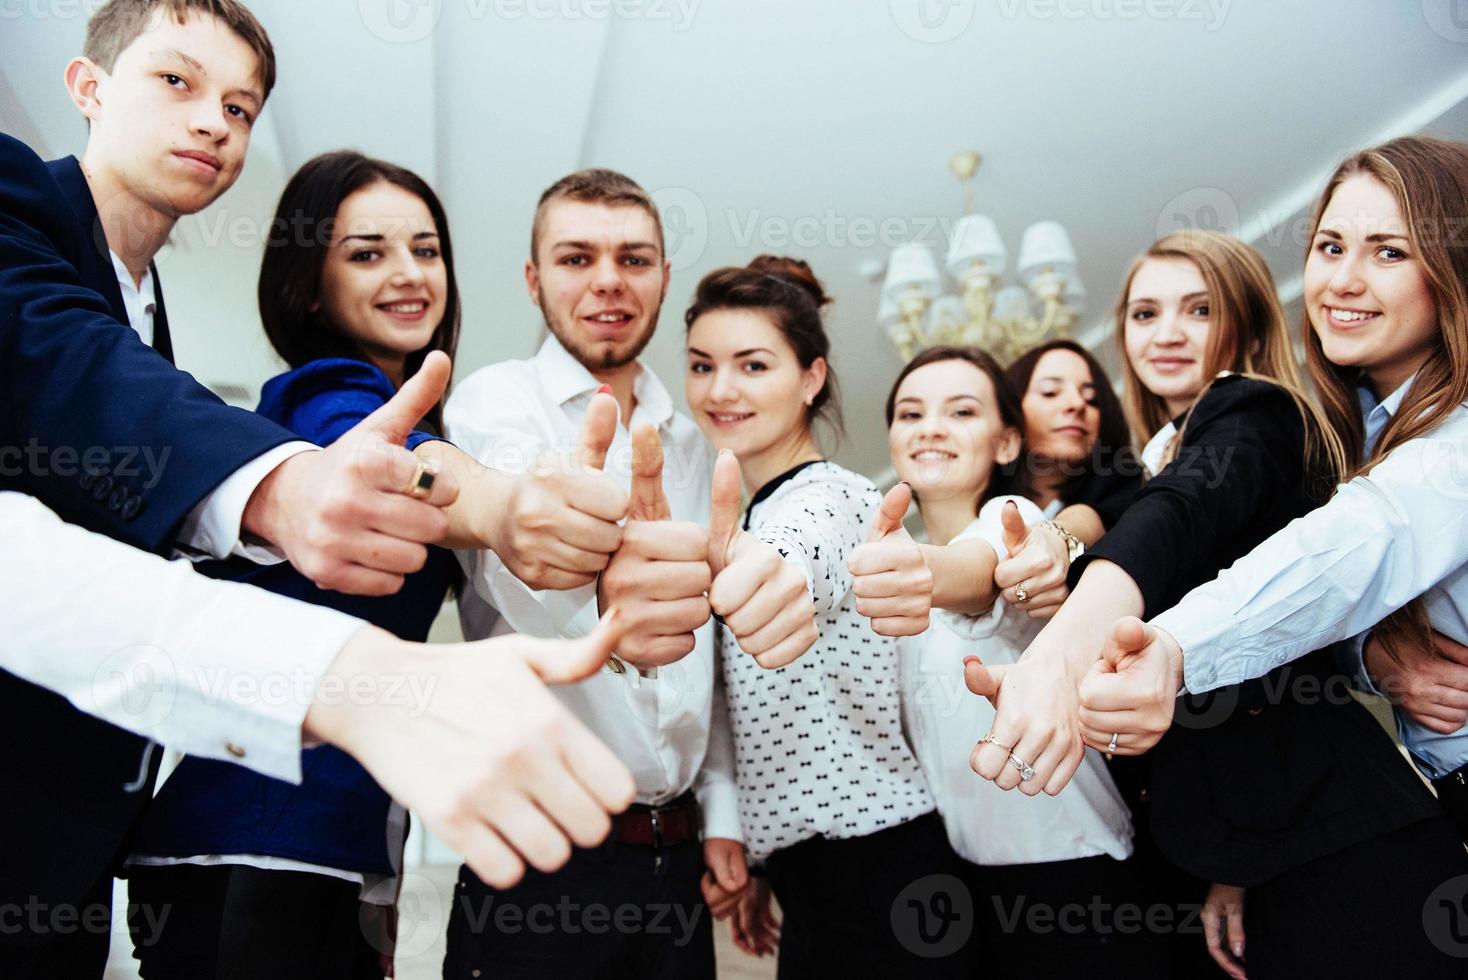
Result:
pixel 118 24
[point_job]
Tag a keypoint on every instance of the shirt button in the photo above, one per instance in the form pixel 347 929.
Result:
pixel 102 488
pixel 118 498
pixel 132 507
pixel 235 749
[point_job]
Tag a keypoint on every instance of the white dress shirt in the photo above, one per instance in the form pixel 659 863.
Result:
pixel 213 669
pixel 1395 533
pixel 987 825
pixel 507 414
pixel 820 749
pixel 212 528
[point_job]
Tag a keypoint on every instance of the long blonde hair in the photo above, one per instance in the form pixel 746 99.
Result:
pixel 1247 336
pixel 1429 180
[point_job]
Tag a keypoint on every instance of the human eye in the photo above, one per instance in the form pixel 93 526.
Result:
pixel 1143 314
pixel 426 252
pixel 172 80
pixel 635 260
pixel 573 260
pixel 240 113
pixel 1199 310
pixel 755 367
pixel 1329 246
pixel 908 415
pixel 1391 253
pixel 699 367
pixel 363 255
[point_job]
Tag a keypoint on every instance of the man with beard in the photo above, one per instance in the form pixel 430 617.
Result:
pixel 633 906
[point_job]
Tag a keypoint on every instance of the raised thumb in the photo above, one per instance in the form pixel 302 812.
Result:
pixel 724 507
pixel 983 679
pixel 648 502
pixel 415 399
pixel 568 661
pixel 1014 527
pixel 1129 636
pixel 890 514
pixel 598 430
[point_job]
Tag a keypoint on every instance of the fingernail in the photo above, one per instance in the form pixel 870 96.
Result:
pixel 971 659
pixel 1239 950
pixel 904 483
pixel 604 390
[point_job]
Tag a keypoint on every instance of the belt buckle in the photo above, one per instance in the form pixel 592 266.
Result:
pixel 657 828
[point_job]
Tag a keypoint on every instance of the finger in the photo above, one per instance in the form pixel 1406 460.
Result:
pixel 736 585
pixel 404 517
pixel 901 625
pixel 1037 571
pixel 1124 722
pixel 724 508
pixel 487 855
pixel 984 680
pixel 895 607
pixel 1014 527
pixel 352 579
pixel 598 430
pixel 648 503
pixel 530 832
pixel 1054 754
pixel 416 398
pixel 567 802
pixel 897 583
pixel 1064 772
pixel 875 558
pixel 733 875
pixel 666 541
pixel 675 581
pixel 383 553
pixel 1127 691
pixel 1447 695
pixel 1129 636
pixel 758 611
pixel 1212 928
pixel 595 767
pixel 598 497
pixel 789 620
pixel 570 558
pixel 568 661
pixel 1236 931
pixel 1450 650
pixel 890 514
pixel 789 650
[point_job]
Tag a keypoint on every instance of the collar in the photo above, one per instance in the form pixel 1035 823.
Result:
pixel 566 378
pixel 125 280
pixel 1376 414
pixel 768 490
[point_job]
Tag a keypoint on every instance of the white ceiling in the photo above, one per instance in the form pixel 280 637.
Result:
pixel 810 127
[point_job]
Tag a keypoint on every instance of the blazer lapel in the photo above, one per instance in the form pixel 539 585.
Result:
pixel 162 340
pixel 94 259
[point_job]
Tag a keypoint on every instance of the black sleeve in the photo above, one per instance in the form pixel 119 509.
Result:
pixel 93 422
pixel 1242 451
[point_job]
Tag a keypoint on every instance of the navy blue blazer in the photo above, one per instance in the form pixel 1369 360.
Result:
pixel 82 400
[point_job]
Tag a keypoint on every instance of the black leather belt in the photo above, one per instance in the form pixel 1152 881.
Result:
pixel 664 825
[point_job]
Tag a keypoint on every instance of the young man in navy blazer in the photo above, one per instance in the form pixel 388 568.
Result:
pixel 170 90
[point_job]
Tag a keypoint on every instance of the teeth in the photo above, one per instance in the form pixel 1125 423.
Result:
pixel 1351 316
pixel 724 417
pixel 931 454
pixel 417 307
pixel 610 317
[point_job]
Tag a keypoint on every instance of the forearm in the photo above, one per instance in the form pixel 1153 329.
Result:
pixel 1082 521
pixel 963 575
pixel 1075 635
pixel 483 495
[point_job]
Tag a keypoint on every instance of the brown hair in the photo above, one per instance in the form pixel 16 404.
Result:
pixel 119 24
pixel 1006 478
pixel 1112 468
pixel 1247 335
pixel 791 294
pixel 595 186
pixel 1429 179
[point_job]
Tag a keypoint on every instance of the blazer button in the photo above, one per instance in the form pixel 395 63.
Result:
pixel 235 749
pixel 102 488
pixel 88 478
pixel 132 507
pixel 118 498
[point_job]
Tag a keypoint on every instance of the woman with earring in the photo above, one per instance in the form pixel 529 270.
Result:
pixel 1275 782
pixel 833 802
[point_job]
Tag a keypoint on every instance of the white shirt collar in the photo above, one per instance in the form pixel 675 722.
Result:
pixel 566 378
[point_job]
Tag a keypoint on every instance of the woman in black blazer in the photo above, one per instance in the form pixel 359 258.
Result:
pixel 1284 782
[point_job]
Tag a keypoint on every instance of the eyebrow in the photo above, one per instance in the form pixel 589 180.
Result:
pixel 1147 299
pixel 1378 236
pixel 1056 377
pixel 623 247
pixel 950 398
pixel 198 66
pixel 377 238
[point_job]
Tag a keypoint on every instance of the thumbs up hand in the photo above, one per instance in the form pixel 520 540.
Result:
pixel 764 600
pixel 1131 692
pixel 344 515
pixel 558 524
pixel 889 574
pixel 658 577
pixel 1032 577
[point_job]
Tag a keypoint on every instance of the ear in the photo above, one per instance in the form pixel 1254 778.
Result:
pixel 667 278
pixel 1007 446
pixel 814 380
pixel 532 281
pixel 83 78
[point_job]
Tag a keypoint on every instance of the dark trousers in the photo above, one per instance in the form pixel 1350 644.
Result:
pixel 1092 917
pixel 616 911
pixel 890 904
pixel 68 942
pixel 231 922
pixel 1392 906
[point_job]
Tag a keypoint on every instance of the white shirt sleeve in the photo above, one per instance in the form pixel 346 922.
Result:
pixel 718 795
pixel 989 527
pixel 1384 539
pixel 213 669
pixel 212 528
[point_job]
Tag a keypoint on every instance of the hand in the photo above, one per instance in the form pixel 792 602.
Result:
pixel 658 578
pixel 1429 684
pixel 764 600
pixel 1223 927
pixel 1035 706
pixel 754 928
pixel 889 575
pixel 726 878
pixel 492 762
pixel 558 526
pixel 1132 690
pixel 1038 559
pixel 342 515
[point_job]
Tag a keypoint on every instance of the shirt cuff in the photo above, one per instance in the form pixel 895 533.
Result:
pixel 212 529
pixel 718 801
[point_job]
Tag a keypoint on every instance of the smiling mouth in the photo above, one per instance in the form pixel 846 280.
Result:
pixel 202 159
pixel 729 418
pixel 930 455
pixel 411 309
pixel 1072 430
pixel 612 319
pixel 1170 363
pixel 1347 319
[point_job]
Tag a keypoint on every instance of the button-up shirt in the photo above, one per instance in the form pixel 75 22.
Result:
pixel 1388 536
pixel 506 415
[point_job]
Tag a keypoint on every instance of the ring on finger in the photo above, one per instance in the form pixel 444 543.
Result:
pixel 994 741
pixel 1020 595
pixel 421 484
pixel 1026 771
pixel 1111 745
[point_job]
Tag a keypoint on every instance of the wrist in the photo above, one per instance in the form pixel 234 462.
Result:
pixel 1174 658
pixel 262 514
pixel 370 651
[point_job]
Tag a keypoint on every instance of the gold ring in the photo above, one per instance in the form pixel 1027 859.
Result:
pixel 421 485
pixel 991 739
pixel 1020 594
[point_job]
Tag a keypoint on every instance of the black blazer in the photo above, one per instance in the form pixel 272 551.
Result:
pixel 81 398
pixel 1263 776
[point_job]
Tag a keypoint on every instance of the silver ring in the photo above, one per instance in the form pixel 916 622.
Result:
pixel 1020 594
pixel 1111 745
pixel 1026 771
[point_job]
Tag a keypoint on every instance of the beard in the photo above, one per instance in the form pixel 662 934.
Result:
pixel 599 355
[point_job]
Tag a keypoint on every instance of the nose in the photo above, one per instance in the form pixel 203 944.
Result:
pixel 1168 331
pixel 607 277
pixel 1072 401
pixel 405 269
pixel 932 427
pixel 208 121
pixel 1345 279
pixel 725 387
